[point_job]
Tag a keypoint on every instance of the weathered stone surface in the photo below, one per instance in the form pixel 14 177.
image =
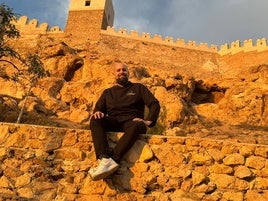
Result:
pixel 201 97
pixel 247 150
pixel 255 195
pixel 172 104
pixel 198 178
pixel 216 154
pixel 202 159
pixel 4 182
pixel 187 89
pixel 221 169
pixel 90 186
pixel 235 196
pixel 180 168
pixel 222 180
pixel 68 153
pixel 40 186
pixel 234 159
pixel 264 171
pixel 23 180
pixel 262 151
pixel 69 139
pixel 167 155
pixel 242 172
pixel 255 162
pixel 25 193
pixel 241 185
pixel 261 183
pixel 140 151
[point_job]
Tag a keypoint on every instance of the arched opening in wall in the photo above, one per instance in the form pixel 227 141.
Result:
pixel 205 93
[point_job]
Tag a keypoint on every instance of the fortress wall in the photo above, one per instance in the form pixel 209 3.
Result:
pixel 159 39
pixel 233 48
pixel 247 46
pixel 47 163
pixel 145 53
pixel 243 59
pixel 32 27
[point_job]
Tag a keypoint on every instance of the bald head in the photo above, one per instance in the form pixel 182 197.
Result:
pixel 121 73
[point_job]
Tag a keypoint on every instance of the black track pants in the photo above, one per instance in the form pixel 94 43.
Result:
pixel 99 127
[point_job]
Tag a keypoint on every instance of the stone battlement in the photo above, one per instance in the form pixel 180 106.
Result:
pixel 159 39
pixel 32 27
pixel 248 46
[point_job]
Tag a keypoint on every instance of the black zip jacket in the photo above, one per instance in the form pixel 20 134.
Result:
pixel 128 102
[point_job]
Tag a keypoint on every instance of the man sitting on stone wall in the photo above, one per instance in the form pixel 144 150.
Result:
pixel 120 109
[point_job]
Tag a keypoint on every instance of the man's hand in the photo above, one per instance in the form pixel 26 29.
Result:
pixel 98 115
pixel 147 123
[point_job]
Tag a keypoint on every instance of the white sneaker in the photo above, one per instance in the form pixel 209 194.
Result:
pixel 92 170
pixel 106 167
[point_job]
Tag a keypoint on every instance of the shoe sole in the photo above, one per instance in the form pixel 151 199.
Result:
pixel 104 174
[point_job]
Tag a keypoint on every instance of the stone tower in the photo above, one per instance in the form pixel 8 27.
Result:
pixel 86 18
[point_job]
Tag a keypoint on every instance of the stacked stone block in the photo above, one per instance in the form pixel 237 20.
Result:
pixel 47 163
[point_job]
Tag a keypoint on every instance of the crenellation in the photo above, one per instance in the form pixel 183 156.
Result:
pixel 145 35
pixel 33 23
pixel 191 43
pixel 248 46
pixel 180 42
pixel 261 42
pixel 248 43
pixel 55 29
pixel 157 38
pixel 203 45
pixel 214 47
pixel 110 31
pixel 22 20
pixel 236 46
pixel 122 31
pixel 44 26
pixel 169 39
pixel 31 27
pixel 134 34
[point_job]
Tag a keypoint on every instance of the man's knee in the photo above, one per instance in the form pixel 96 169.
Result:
pixel 137 126
pixel 95 122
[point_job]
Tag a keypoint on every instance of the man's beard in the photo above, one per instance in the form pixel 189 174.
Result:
pixel 123 80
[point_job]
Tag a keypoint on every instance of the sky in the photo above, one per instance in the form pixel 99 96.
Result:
pixel 204 21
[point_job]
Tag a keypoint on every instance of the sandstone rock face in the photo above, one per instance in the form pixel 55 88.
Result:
pixel 197 90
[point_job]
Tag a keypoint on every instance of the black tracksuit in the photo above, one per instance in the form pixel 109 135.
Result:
pixel 120 105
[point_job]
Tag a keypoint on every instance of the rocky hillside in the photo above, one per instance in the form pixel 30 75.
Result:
pixel 199 92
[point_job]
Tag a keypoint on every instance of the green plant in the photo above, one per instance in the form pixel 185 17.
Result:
pixel 33 71
pixel 7 31
pixel 27 70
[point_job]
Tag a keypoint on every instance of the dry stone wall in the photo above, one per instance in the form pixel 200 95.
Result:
pixel 47 163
